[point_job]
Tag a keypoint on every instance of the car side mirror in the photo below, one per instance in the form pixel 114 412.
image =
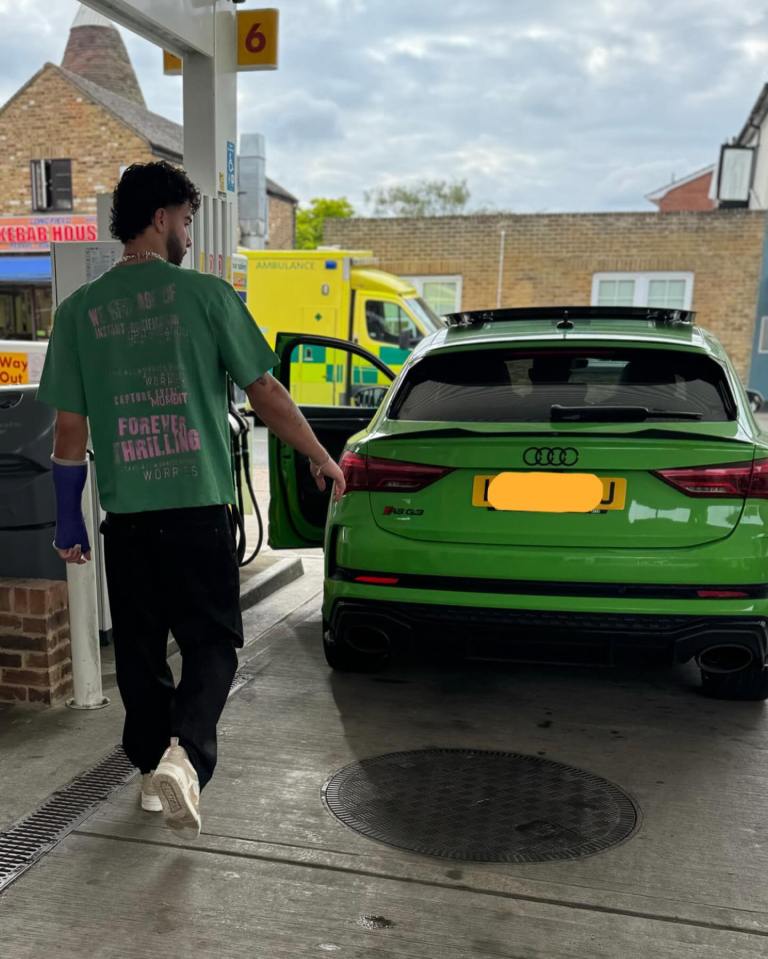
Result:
pixel 405 340
pixel 755 400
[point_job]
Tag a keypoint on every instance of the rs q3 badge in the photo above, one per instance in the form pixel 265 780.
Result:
pixel 399 511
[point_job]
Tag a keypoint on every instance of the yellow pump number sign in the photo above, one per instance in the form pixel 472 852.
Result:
pixel 257 34
pixel 257 39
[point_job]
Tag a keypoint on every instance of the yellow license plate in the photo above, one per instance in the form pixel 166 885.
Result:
pixel 614 492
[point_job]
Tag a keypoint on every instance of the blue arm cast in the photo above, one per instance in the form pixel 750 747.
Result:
pixel 68 482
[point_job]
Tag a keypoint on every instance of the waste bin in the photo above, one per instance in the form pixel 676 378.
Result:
pixel 27 499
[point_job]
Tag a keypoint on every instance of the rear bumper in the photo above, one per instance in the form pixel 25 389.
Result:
pixel 355 542
pixel 535 636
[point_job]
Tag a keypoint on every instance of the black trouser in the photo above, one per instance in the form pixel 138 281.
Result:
pixel 173 570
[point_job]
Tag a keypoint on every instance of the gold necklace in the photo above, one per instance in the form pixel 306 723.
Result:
pixel 138 257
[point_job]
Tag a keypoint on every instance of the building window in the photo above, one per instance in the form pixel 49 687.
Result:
pixel 672 291
pixel 763 345
pixel 51 185
pixel 442 293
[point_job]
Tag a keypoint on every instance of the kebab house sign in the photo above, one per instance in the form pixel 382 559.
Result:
pixel 34 234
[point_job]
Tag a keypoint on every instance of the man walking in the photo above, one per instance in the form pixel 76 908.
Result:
pixel 142 355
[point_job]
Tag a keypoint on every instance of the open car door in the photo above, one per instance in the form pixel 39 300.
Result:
pixel 338 386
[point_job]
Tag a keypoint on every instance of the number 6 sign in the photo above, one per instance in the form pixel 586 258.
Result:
pixel 257 39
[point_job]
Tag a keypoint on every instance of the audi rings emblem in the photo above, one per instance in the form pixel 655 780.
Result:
pixel 550 456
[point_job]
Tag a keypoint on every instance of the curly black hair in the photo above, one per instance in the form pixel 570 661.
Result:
pixel 143 189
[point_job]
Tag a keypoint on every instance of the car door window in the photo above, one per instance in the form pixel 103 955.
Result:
pixel 323 376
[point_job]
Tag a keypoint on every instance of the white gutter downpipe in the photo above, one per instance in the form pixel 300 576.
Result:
pixel 500 283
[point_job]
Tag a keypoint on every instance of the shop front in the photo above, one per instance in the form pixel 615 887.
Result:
pixel 25 270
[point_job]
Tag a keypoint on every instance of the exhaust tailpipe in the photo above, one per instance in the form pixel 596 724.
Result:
pixel 367 639
pixel 726 658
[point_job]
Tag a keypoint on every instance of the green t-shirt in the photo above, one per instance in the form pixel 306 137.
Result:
pixel 143 352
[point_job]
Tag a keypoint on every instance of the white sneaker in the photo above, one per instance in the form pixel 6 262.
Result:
pixel 150 801
pixel 178 788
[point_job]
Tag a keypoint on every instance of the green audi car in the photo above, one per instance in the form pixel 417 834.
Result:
pixel 568 485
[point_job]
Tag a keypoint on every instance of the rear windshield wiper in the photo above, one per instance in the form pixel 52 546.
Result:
pixel 608 414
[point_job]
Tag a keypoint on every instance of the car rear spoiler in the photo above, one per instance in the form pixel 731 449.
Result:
pixel 456 432
pixel 565 317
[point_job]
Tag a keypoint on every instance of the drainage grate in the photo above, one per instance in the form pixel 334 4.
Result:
pixel 23 843
pixel 241 678
pixel 481 806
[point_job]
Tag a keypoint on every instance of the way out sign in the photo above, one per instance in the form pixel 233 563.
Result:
pixel 256 43
pixel 14 369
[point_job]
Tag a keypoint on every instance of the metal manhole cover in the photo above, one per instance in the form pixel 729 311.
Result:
pixel 481 806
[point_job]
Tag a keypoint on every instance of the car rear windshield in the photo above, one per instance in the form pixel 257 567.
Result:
pixel 502 386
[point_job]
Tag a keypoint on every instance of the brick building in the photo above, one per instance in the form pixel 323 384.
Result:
pixel 281 217
pixel 706 261
pixel 691 194
pixel 65 136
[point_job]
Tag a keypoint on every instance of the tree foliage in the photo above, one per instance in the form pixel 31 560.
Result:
pixel 424 198
pixel 310 220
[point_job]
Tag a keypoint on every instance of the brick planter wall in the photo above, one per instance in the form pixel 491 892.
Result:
pixel 35 657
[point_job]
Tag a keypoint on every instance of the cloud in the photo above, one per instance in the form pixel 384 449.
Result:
pixel 556 105
pixel 295 119
pixel 754 48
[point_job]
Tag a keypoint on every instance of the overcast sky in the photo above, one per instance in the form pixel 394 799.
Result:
pixel 553 105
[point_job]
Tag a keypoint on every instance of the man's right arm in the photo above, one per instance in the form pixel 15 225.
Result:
pixel 273 405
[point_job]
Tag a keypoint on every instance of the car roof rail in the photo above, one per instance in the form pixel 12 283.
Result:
pixel 566 317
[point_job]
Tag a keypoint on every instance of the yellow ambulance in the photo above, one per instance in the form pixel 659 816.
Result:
pixel 339 294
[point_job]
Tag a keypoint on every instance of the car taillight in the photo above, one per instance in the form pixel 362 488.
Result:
pixel 354 469
pixel 387 476
pixel 733 480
